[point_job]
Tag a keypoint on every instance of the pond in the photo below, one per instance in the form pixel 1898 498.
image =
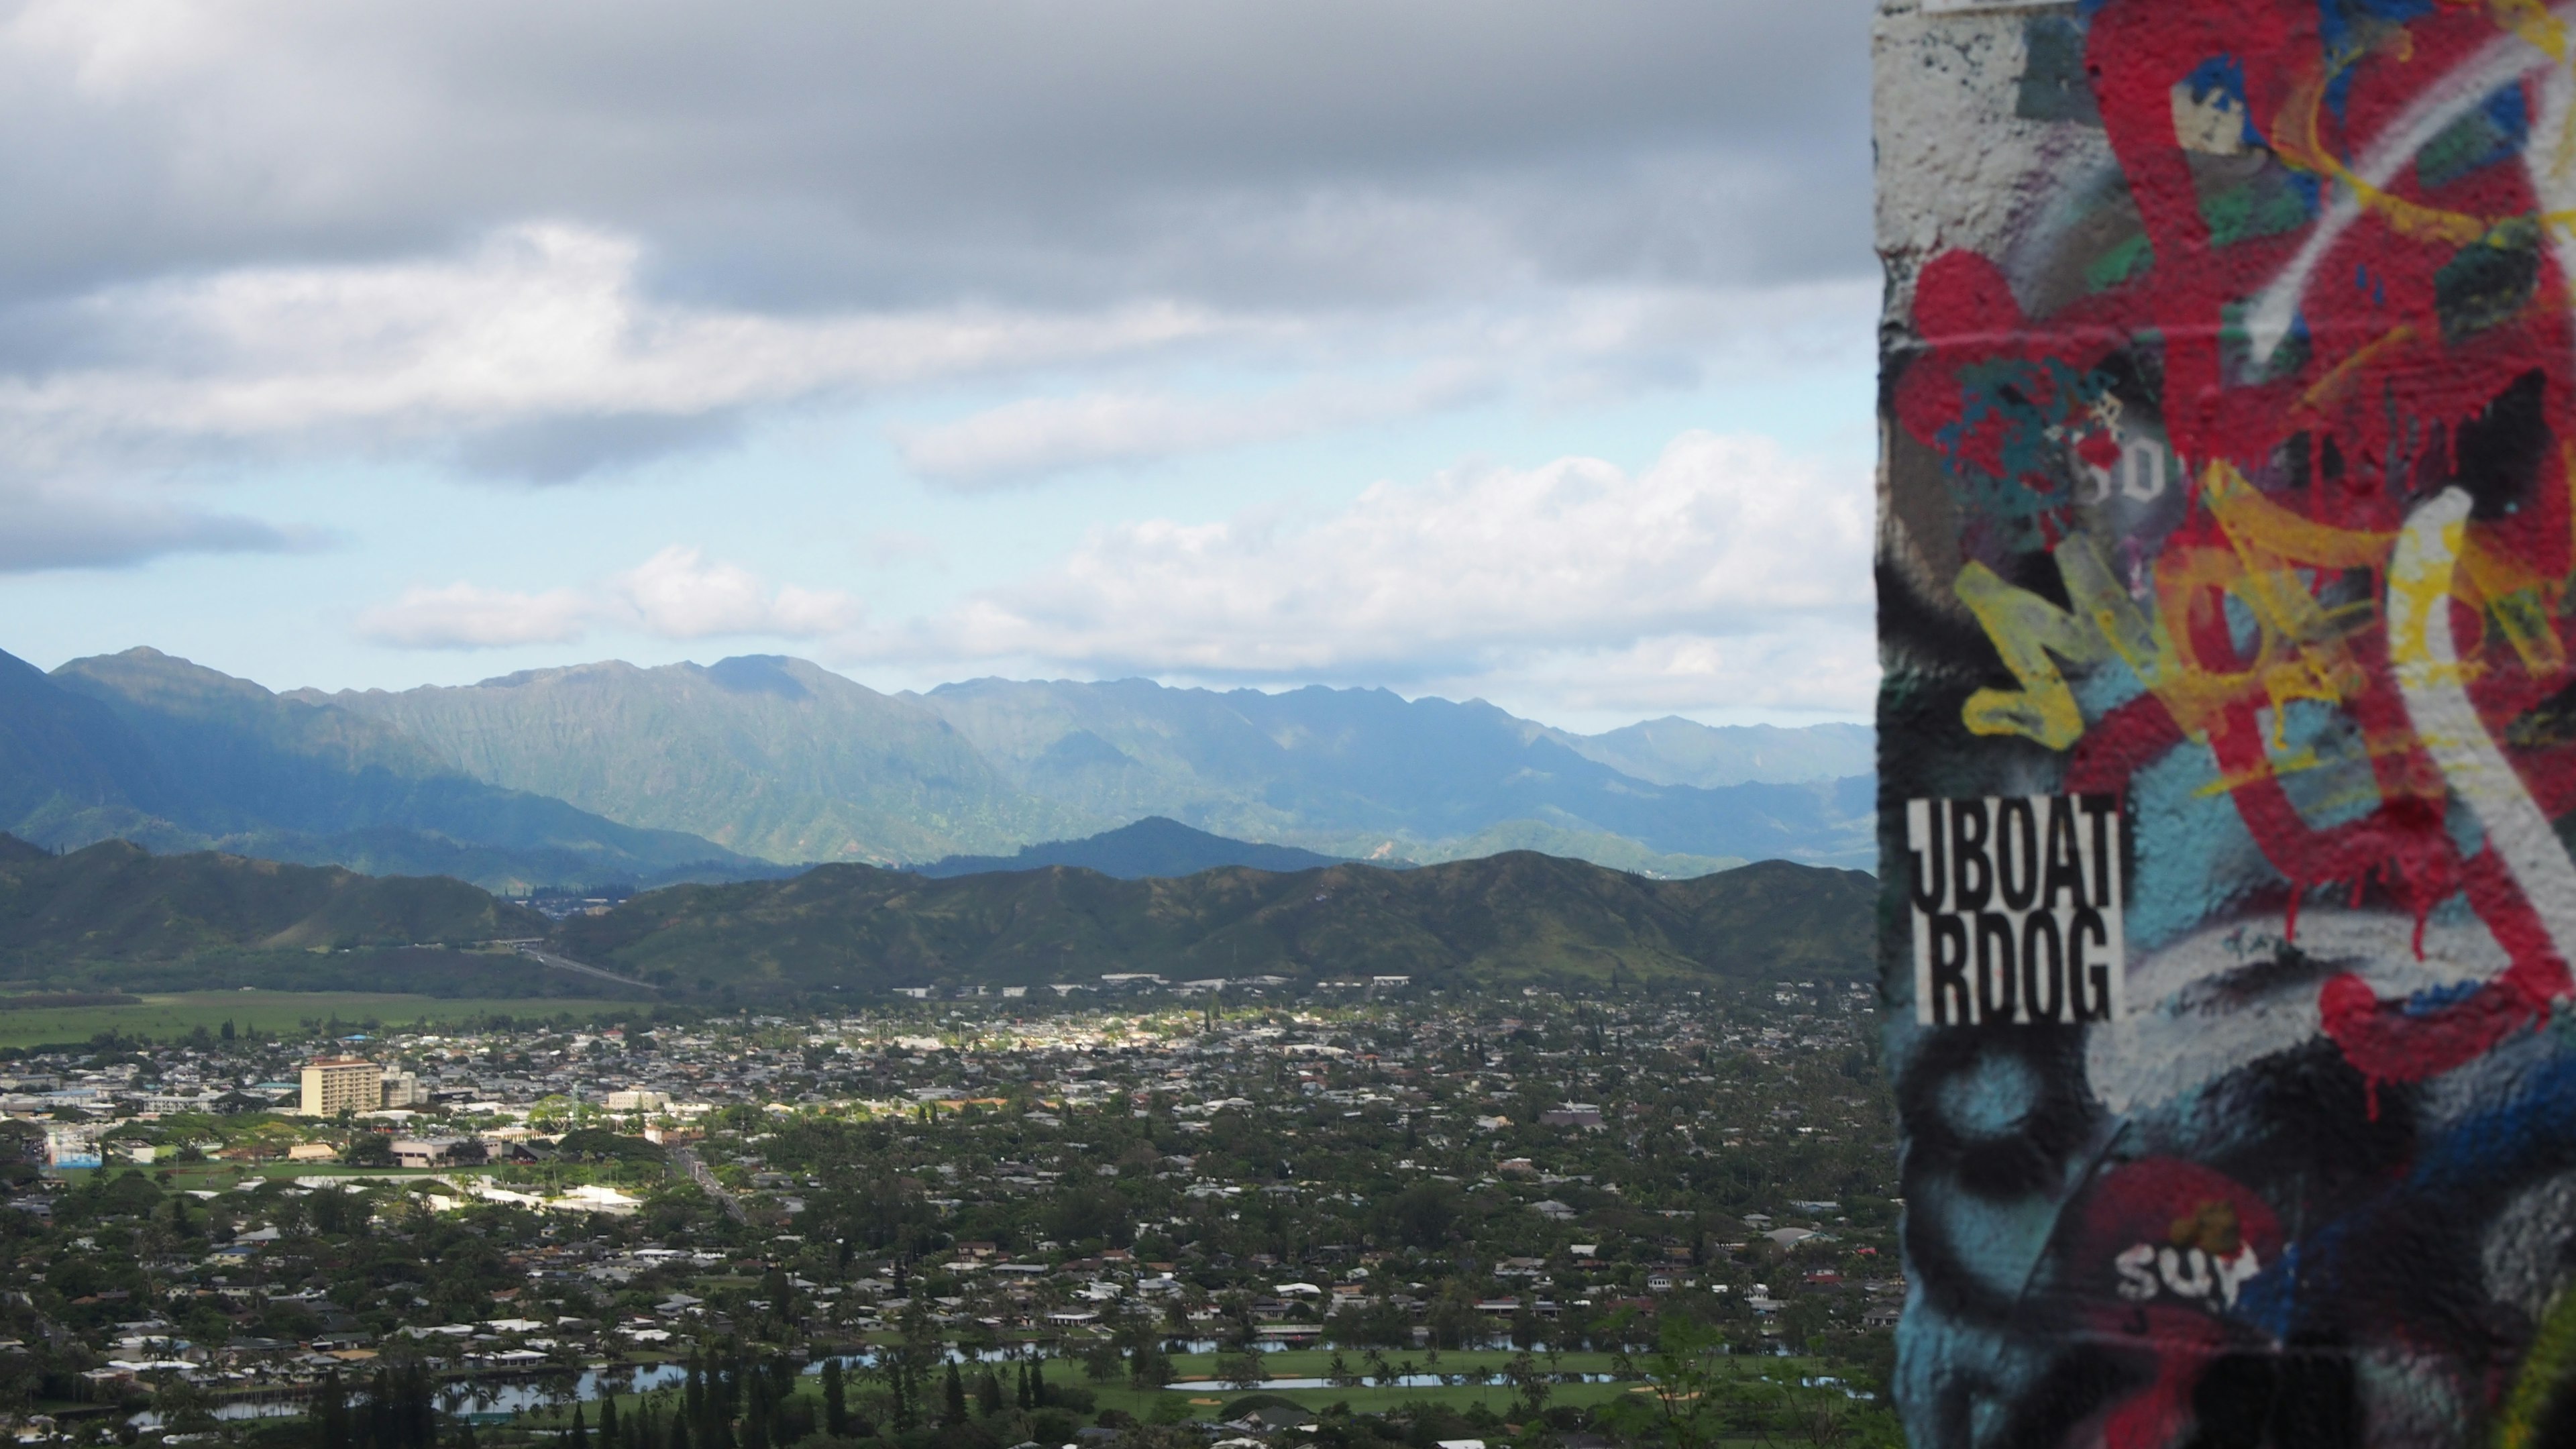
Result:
pixel 953 1355
pixel 486 1400
pixel 262 1410
pixel 1400 1381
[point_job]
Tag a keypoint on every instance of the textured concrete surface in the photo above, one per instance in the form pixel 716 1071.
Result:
pixel 2229 724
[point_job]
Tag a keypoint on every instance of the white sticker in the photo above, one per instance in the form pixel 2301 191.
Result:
pixel 2016 909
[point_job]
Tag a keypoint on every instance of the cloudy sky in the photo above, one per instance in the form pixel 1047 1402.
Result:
pixel 1465 347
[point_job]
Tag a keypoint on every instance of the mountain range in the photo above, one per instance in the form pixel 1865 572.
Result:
pixel 751 767
pixel 113 916
pixel 1499 921
pixel 155 750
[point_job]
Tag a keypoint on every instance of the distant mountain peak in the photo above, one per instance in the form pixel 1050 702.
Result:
pixel 760 674
pixel 1154 848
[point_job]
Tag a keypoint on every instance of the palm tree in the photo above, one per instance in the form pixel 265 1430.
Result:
pixel 1338 1373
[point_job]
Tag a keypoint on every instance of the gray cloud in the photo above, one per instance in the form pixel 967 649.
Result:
pixel 1289 152
pixel 565 449
pixel 43 529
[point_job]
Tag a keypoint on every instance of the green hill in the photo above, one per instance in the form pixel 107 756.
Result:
pixel 115 902
pixel 113 916
pixel 1508 919
pixel 1152 846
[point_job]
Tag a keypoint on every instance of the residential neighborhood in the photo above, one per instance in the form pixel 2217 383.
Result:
pixel 1491 1217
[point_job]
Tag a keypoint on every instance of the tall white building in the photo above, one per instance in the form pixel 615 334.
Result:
pixel 333 1085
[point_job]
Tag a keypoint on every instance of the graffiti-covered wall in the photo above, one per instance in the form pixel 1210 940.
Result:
pixel 2229 724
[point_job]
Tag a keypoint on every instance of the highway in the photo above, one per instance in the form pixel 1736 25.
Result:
pixel 705 1178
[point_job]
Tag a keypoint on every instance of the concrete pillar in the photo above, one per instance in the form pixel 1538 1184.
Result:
pixel 2229 724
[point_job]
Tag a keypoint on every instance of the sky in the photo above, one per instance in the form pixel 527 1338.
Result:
pixel 1477 348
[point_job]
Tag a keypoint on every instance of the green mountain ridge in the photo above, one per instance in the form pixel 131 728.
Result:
pixel 116 902
pixel 1677 751
pixel 1506 919
pixel 1364 772
pixel 775 758
pixel 114 916
pixel 1152 847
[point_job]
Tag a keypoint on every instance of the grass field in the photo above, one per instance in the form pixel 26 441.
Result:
pixel 1205 1403
pixel 1370 1399
pixel 165 1017
pixel 1311 1363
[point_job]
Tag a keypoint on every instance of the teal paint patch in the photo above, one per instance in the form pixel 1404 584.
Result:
pixel 2195 858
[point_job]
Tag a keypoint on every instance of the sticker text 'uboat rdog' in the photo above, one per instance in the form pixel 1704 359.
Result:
pixel 2016 909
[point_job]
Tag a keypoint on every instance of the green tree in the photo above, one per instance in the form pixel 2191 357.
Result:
pixel 183 1406
pixel 1148 1367
pixel 1452 1319
pixel 1240 1369
pixel 331 1413
pixel 1530 1386
pixel 836 1400
pixel 1695 1394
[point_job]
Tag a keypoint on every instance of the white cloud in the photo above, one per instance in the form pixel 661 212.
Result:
pixel 1029 439
pixel 1726 572
pixel 539 323
pixel 676 594
pixel 462 616
pixel 1570 347
pixel 539 351
pixel 1827 666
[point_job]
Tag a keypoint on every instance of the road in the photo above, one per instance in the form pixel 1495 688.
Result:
pixel 705 1178
pixel 563 963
